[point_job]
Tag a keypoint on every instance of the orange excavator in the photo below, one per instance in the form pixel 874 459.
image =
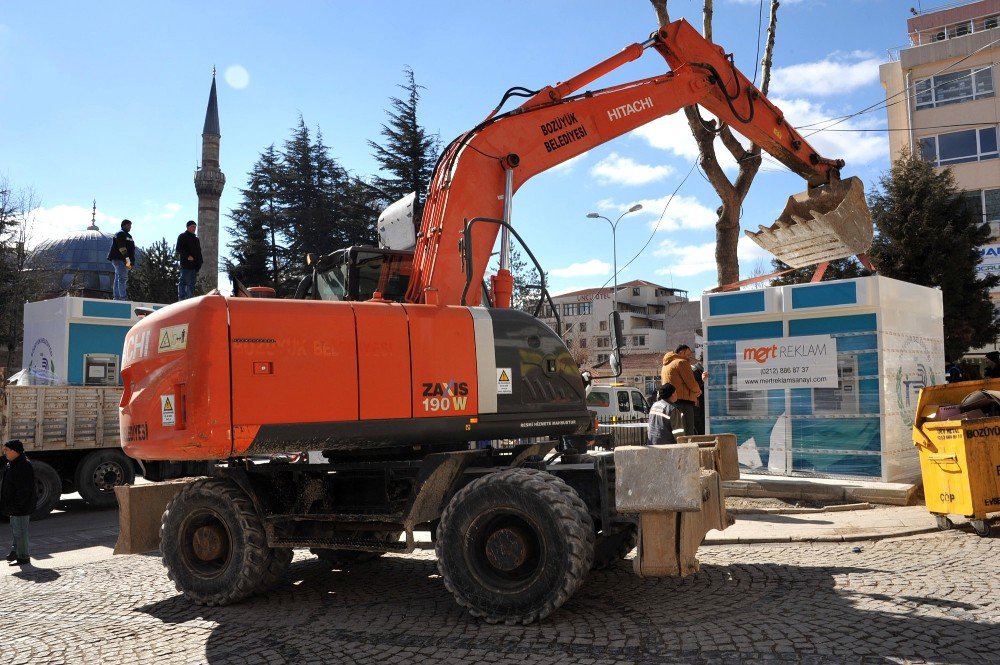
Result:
pixel 392 373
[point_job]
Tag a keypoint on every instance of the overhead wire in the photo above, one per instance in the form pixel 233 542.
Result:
pixel 658 222
pixel 885 103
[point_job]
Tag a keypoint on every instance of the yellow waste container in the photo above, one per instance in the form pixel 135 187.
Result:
pixel 959 459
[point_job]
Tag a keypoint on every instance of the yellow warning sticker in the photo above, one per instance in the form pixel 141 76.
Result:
pixel 168 410
pixel 504 384
pixel 173 338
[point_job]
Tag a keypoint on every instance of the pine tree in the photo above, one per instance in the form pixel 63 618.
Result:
pixel 409 152
pixel 256 235
pixel 928 235
pixel 155 277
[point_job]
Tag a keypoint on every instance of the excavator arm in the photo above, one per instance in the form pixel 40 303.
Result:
pixel 479 172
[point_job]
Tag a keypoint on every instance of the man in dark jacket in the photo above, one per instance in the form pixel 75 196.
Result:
pixel 189 253
pixel 122 257
pixel 17 498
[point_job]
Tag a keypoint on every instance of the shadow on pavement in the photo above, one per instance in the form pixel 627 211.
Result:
pixel 776 613
pixel 38 575
pixel 775 518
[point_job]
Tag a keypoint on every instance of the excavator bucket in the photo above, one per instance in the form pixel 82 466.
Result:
pixel 823 224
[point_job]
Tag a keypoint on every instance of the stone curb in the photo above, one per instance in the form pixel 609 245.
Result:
pixel 835 538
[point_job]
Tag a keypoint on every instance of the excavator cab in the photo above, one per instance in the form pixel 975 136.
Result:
pixel 357 274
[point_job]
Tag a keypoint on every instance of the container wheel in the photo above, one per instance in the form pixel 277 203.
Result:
pixel 514 545
pixel 612 547
pixel 347 558
pixel 981 527
pixel 214 546
pixel 943 523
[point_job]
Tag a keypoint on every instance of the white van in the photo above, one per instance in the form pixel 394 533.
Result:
pixel 617 403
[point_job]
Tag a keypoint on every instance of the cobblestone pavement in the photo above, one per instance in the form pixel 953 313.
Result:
pixel 923 599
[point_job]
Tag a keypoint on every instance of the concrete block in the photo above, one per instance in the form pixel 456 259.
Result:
pixel 893 494
pixel 140 510
pixel 657 478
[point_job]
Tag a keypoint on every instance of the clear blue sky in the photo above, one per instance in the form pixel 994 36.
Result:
pixel 106 100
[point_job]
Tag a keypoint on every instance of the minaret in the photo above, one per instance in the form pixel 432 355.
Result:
pixel 209 181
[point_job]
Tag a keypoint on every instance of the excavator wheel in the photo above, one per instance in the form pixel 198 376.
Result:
pixel 514 545
pixel 348 558
pixel 613 546
pixel 213 544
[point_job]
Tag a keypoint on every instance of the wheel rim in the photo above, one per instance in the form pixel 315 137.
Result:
pixel 41 491
pixel 206 543
pixel 506 550
pixel 107 475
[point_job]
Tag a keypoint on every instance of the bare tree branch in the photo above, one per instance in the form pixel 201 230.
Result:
pixel 731 194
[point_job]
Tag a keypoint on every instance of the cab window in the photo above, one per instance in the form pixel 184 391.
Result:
pixel 597 398
pixel 623 405
pixel 639 402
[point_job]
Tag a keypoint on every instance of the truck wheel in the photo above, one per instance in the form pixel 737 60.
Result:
pixel 347 558
pixel 98 474
pixel 213 543
pixel 514 545
pixel 48 489
pixel 614 546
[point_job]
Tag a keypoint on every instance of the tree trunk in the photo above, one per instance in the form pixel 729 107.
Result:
pixel 732 195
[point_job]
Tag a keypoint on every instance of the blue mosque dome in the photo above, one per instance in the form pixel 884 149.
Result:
pixel 78 263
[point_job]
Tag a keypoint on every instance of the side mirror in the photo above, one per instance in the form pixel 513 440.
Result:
pixel 616 363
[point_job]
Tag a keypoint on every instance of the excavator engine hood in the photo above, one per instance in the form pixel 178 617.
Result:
pixel 822 224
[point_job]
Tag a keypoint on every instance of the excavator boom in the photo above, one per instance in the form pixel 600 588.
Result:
pixel 491 161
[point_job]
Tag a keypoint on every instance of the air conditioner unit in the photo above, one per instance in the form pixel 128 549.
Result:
pixel 100 369
pixel 940 37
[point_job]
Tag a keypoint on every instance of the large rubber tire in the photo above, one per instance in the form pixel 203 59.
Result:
pixel 278 559
pixel 99 472
pixel 614 546
pixel 213 543
pixel 348 558
pixel 514 545
pixel 48 489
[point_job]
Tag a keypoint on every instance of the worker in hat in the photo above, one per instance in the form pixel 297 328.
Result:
pixel 17 498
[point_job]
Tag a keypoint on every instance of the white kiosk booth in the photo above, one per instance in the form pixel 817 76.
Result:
pixel 822 379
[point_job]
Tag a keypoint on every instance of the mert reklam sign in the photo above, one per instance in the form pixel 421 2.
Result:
pixel 787 362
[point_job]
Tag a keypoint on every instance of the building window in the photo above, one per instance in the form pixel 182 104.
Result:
pixel 603 342
pixel 635 291
pixel 550 312
pixel 583 326
pixel 567 327
pixel 984 203
pixel 602 357
pixel 585 308
pixel 603 326
pixel 639 340
pixel 972 145
pixel 954 87
pixel 583 342
pixel 570 309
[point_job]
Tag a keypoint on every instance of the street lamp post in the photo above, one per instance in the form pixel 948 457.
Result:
pixel 614 246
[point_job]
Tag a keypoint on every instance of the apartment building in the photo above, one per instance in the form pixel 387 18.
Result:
pixel 655 318
pixel 941 89
pixel 951 112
